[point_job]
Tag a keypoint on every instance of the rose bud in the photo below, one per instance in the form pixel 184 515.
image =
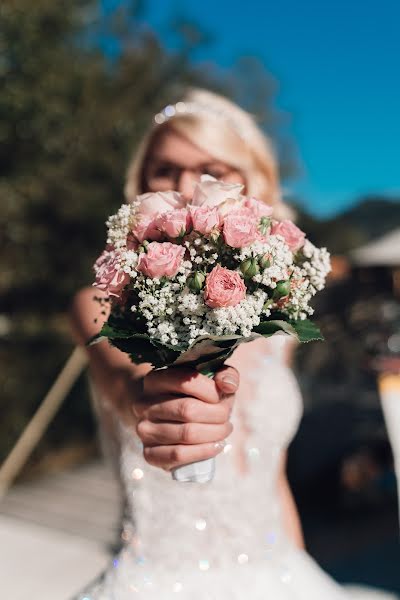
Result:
pixel 264 262
pixel 196 282
pixel 143 247
pixel 265 222
pixel 249 267
pixel 282 289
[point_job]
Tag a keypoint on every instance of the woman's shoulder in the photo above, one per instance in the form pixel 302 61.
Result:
pixel 87 295
pixel 88 310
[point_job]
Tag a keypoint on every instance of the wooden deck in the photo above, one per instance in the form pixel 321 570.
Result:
pixel 53 540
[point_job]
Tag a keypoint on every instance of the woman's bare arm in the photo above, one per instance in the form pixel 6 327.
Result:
pixel 116 377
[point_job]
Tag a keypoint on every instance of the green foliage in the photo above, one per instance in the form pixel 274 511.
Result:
pixel 370 218
pixel 206 354
pixel 302 330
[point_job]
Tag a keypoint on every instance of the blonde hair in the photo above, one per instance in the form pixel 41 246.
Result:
pixel 233 137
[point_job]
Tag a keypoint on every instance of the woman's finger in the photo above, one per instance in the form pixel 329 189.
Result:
pixel 186 410
pixel 227 380
pixel 185 382
pixel 170 457
pixel 159 434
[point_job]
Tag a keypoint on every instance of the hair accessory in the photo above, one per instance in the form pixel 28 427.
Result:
pixel 188 108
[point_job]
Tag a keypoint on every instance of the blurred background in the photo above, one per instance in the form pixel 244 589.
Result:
pixel 80 81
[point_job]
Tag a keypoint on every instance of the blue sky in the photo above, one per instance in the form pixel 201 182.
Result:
pixel 338 68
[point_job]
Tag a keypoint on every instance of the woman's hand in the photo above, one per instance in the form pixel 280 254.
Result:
pixel 183 416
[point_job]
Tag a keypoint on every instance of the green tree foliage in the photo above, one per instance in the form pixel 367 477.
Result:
pixel 371 217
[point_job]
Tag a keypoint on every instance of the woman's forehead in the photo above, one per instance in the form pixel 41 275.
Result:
pixel 172 146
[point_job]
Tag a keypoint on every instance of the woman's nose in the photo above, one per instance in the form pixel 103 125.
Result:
pixel 186 184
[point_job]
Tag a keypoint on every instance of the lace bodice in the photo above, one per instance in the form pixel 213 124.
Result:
pixel 233 518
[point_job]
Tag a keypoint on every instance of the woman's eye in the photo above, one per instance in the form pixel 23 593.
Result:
pixel 163 171
pixel 216 172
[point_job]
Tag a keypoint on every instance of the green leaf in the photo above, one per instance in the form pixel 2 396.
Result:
pixel 268 328
pixel 110 331
pixel 306 330
pixel 303 331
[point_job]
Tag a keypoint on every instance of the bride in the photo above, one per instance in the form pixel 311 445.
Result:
pixel 238 536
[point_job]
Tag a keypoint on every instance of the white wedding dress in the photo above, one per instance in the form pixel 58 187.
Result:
pixel 222 540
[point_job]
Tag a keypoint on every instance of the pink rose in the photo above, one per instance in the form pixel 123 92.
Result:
pixel 211 192
pixel 259 209
pixel 240 228
pixel 110 277
pixel 205 219
pixel 154 203
pixel 161 259
pixel 293 236
pixel 146 229
pixel 223 288
pixel 174 223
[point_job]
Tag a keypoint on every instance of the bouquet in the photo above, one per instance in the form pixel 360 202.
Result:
pixel 188 282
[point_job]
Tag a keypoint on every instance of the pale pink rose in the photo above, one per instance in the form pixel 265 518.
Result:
pixel 229 206
pixel 174 223
pixel 260 209
pixel 205 219
pixel 240 228
pixel 146 228
pixel 211 192
pixel 161 259
pixel 110 277
pixel 293 236
pixel 154 203
pixel 223 288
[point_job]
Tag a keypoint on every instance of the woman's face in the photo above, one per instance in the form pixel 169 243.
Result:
pixel 176 164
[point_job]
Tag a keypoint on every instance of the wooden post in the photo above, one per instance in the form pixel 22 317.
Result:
pixel 41 419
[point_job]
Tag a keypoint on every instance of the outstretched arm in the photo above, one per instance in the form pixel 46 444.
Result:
pixel 116 377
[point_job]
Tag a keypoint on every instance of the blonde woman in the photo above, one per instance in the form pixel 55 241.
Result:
pixel 238 536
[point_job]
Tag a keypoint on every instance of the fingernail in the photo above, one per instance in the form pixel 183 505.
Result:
pixel 220 445
pixel 227 380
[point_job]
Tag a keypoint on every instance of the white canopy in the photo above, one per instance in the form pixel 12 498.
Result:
pixel 384 251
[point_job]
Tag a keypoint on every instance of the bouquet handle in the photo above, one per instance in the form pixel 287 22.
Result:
pixel 201 471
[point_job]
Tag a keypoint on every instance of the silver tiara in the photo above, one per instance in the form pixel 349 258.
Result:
pixel 188 108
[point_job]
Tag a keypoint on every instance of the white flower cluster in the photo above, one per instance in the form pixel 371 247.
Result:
pixel 277 253
pixel 119 225
pixel 202 251
pixel 301 293
pixel 130 259
pixel 240 319
pixel 307 278
pixel 157 304
pixel 181 318
pixel 316 265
